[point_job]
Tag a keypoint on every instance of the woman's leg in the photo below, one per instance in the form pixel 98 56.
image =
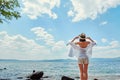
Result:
pixel 85 70
pixel 81 71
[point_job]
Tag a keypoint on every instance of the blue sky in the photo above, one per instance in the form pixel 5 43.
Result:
pixel 46 26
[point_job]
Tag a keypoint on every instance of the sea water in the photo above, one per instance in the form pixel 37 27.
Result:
pixel 56 69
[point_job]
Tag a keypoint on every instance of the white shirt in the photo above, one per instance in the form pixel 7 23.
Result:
pixel 77 51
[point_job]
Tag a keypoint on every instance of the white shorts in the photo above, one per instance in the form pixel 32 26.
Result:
pixel 83 60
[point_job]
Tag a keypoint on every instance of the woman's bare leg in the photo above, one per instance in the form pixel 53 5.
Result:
pixel 85 70
pixel 81 71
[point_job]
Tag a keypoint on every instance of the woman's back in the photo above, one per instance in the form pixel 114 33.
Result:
pixel 83 47
pixel 83 44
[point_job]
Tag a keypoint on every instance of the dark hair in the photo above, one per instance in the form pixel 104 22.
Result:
pixel 82 40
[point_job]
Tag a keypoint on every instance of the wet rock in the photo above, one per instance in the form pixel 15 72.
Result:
pixel 19 77
pixel 33 71
pixel 36 75
pixel 5 68
pixel 66 78
pixel 95 79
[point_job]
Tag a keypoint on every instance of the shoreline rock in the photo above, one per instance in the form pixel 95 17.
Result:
pixel 66 78
pixel 36 75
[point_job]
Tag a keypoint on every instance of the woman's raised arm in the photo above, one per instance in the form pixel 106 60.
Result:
pixel 75 38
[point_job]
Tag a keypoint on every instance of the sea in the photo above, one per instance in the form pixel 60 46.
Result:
pixel 55 69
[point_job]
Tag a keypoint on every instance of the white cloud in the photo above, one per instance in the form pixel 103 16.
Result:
pixel 58 47
pixel 83 9
pixel 111 50
pixel 103 23
pixel 19 47
pixel 104 40
pixel 37 8
pixel 43 35
pixel 114 44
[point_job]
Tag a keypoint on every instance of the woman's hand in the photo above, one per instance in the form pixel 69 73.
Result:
pixel 73 40
pixel 89 39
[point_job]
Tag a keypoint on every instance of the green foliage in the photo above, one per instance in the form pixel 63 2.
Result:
pixel 8 10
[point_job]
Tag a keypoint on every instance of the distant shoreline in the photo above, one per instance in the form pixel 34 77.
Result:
pixel 65 60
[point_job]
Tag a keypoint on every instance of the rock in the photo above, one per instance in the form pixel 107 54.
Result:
pixel 33 71
pixel 19 77
pixel 66 78
pixel 95 79
pixel 5 68
pixel 36 75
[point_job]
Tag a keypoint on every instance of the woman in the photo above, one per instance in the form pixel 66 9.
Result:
pixel 82 50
